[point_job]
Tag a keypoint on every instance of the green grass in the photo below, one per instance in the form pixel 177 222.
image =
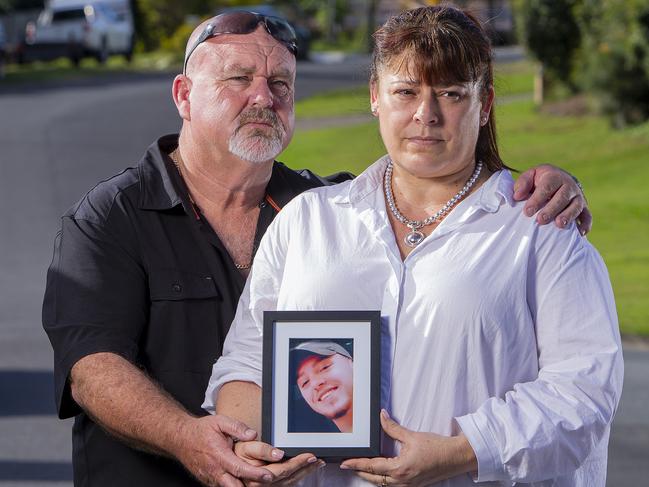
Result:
pixel 345 102
pixel 514 78
pixel 62 68
pixel 612 166
pixel 336 149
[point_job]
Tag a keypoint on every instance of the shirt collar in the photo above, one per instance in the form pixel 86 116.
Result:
pixel 159 180
pixel 162 187
pixel 498 189
pixel 494 192
pixel 285 184
pixel 365 183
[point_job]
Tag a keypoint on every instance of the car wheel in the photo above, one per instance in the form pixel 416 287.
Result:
pixel 128 55
pixel 102 54
pixel 74 55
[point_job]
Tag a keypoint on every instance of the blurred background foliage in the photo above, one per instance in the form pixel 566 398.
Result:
pixel 596 48
pixel 599 47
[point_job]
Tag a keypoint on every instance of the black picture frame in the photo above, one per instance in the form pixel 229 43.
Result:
pixel 343 339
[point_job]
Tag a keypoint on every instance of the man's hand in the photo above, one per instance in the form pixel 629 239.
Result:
pixel 207 452
pixel 285 473
pixel 130 406
pixel 243 400
pixel 425 458
pixel 556 194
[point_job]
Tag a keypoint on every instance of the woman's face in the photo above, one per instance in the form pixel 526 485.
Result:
pixel 428 131
pixel 327 384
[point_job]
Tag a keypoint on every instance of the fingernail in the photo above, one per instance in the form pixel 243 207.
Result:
pixel 545 217
pixel 249 432
pixel 564 222
pixel 530 211
pixel 385 414
pixel 312 459
pixel 322 464
pixel 277 453
pixel 344 467
pixel 267 478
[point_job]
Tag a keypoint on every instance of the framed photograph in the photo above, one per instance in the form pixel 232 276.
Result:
pixel 321 382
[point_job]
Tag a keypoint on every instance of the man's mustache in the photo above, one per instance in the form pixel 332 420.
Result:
pixel 261 115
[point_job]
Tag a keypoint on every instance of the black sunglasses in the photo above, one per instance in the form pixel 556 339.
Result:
pixel 246 23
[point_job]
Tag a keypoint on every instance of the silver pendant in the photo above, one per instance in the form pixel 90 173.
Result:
pixel 414 238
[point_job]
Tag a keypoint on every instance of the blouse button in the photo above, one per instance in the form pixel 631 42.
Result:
pixel 176 287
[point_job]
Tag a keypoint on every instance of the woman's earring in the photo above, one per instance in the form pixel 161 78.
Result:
pixel 483 120
pixel 375 110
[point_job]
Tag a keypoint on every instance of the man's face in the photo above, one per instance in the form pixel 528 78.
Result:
pixel 327 384
pixel 241 95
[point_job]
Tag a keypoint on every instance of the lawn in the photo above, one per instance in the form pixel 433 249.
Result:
pixel 62 68
pixel 612 166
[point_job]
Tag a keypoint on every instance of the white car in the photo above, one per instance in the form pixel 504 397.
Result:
pixel 77 29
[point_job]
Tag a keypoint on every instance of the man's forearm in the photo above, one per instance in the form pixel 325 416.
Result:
pixel 128 404
pixel 242 401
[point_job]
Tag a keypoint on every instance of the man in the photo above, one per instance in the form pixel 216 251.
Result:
pixel 324 373
pixel 149 265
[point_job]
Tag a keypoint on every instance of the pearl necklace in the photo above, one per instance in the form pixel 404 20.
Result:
pixel 415 237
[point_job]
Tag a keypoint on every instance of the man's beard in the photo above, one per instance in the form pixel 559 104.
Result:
pixel 257 145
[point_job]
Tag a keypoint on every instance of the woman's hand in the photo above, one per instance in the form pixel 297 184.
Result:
pixel 285 473
pixel 557 194
pixel 425 458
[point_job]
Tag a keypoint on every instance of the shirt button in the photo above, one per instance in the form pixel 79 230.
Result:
pixel 176 287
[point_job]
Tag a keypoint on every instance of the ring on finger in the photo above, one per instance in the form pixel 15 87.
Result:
pixel 384 481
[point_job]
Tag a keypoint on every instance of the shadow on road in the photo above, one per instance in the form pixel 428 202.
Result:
pixel 35 471
pixel 26 393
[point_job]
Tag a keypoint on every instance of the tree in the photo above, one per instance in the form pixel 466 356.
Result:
pixel 371 22
pixel 614 60
pixel 549 30
pixel 159 19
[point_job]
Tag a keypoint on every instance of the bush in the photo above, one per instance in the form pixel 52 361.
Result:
pixel 549 30
pixel 614 57
pixel 176 43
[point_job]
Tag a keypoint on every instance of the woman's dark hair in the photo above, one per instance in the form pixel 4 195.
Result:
pixel 443 45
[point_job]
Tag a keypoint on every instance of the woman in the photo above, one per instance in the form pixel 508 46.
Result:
pixel 501 357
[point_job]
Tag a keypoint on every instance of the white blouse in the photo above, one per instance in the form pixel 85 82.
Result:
pixel 493 324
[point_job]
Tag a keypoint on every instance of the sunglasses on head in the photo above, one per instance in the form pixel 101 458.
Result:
pixel 246 23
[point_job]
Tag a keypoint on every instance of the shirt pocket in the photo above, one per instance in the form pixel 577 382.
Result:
pixel 168 284
pixel 182 336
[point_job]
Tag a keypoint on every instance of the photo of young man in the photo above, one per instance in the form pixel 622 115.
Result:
pixel 321 392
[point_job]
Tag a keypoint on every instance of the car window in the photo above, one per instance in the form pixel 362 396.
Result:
pixel 109 13
pixel 66 15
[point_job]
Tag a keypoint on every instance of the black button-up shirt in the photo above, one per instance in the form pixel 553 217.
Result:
pixel 137 272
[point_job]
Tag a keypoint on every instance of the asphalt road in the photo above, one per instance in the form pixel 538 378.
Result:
pixel 56 141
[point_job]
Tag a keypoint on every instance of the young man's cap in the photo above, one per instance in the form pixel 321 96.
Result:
pixel 323 348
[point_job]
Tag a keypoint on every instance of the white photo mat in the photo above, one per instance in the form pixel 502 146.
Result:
pixel 359 332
